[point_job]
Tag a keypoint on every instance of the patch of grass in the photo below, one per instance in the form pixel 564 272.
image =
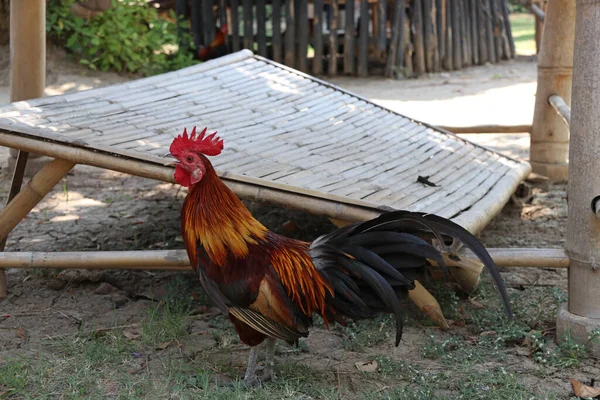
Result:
pixel 523 30
pixel 367 333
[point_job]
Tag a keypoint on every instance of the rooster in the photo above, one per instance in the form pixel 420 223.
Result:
pixel 217 48
pixel 270 286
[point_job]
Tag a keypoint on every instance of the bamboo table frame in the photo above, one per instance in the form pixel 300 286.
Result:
pixel 263 110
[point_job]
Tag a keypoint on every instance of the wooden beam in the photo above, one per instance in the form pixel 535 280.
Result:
pixel 549 136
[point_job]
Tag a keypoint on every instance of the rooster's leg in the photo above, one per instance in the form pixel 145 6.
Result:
pixel 250 375
pixel 269 371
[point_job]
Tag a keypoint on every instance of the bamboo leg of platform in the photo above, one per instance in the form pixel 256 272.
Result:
pixel 27 198
pixel 428 304
pixel 31 194
pixel 15 188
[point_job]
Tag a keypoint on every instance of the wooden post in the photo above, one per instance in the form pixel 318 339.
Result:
pixel 550 136
pixel 583 225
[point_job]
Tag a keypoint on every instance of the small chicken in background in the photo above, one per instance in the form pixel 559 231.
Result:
pixel 270 286
pixel 217 48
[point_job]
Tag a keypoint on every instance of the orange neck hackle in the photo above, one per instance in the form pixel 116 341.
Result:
pixel 215 215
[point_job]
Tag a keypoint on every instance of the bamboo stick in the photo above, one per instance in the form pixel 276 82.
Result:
pixel 290 33
pixel 428 305
pixel 235 26
pixel 456 34
pixel 416 20
pixel 440 21
pixel 208 22
pixel 449 45
pixel 261 27
pixel 561 108
pixel 302 34
pixel 489 30
pixel 31 194
pixel 363 39
pixel 177 260
pixel 317 66
pixel 333 20
pixel 349 39
pixel 381 28
pixel 488 129
pixel 396 43
pixel 474 31
pixel 482 32
pixel 276 41
pixel 248 24
pixel 507 27
pixel 196 21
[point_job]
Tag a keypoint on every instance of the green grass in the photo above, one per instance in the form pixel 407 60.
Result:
pixel 523 30
pixel 477 361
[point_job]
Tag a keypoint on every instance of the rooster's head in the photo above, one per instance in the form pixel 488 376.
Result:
pixel 190 152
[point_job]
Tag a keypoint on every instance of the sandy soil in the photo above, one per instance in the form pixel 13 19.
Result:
pixel 101 210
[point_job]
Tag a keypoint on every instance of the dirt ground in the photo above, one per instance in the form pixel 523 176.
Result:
pixel 136 334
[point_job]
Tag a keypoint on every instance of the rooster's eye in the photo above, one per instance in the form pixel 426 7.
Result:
pixel 189 159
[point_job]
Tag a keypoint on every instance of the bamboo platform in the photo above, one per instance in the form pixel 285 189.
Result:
pixel 290 139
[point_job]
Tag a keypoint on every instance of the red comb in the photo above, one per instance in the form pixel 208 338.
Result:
pixel 210 145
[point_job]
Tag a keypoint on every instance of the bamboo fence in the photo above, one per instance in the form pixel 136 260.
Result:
pixel 363 37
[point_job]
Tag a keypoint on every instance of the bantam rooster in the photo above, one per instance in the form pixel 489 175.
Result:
pixel 270 285
pixel 217 48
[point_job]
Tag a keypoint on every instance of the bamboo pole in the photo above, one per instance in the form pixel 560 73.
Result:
pixel 333 46
pixel 428 305
pixel 561 108
pixel 397 41
pixel 488 129
pixel 583 228
pixel 177 260
pixel 31 194
pixel 549 135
